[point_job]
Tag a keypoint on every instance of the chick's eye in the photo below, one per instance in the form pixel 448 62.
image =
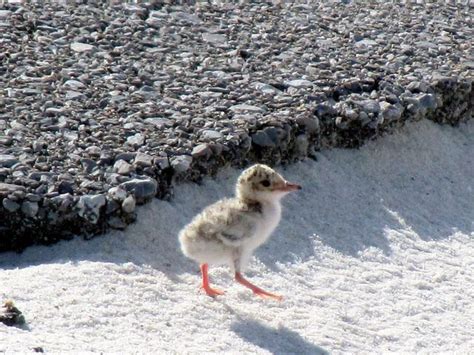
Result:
pixel 265 183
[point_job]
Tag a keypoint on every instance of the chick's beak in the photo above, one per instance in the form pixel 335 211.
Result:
pixel 288 186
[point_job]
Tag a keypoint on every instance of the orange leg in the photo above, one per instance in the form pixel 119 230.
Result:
pixel 205 283
pixel 257 290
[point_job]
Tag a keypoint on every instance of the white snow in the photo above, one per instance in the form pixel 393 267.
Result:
pixel 374 255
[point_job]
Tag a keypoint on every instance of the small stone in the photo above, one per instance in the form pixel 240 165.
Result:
pixel 365 43
pixel 309 121
pixel 65 187
pixel 302 145
pixel 127 156
pixel 117 193
pixel 33 197
pixel 81 47
pixel 268 137
pixel 137 140
pixel 89 207
pixel 262 139
pixel 4 14
pixel 143 160
pixel 30 209
pixel 74 85
pixel 159 122
pixel 181 163
pixel 210 134
pixel 74 95
pixel 88 165
pixel 7 160
pixel 267 88
pixel 122 167
pixel 6 189
pixel 128 205
pixel 246 108
pixel 427 101
pixel 201 150
pixel 10 206
pixel 391 112
pixel 214 38
pixel 300 84
pixel 142 189
pixel 369 106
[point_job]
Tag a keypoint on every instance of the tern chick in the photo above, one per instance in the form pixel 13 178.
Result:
pixel 228 231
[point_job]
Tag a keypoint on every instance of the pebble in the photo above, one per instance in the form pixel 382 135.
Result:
pixel 181 163
pixel 117 193
pixel 9 205
pixel 128 204
pixel 81 47
pixel 201 150
pixel 142 189
pixel 89 207
pixel 122 167
pixel 7 161
pixel 29 209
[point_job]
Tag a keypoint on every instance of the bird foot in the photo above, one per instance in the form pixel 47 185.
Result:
pixel 267 295
pixel 255 289
pixel 212 291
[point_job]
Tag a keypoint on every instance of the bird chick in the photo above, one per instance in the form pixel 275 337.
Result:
pixel 228 231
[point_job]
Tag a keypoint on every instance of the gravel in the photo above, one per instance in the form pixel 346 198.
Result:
pixel 139 96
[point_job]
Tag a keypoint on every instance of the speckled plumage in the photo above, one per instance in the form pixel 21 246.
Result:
pixel 228 231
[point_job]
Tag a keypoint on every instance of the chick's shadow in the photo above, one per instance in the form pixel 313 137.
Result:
pixel 276 340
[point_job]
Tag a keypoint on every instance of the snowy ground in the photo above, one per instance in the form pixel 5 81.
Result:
pixel 376 254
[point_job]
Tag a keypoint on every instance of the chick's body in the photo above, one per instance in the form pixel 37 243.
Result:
pixel 228 231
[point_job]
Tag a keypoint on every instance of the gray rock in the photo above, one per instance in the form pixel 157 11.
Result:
pixel 369 106
pixel 365 43
pixel 213 38
pixel 127 156
pixel 267 88
pixel 300 84
pixel 142 189
pixel 159 122
pixel 242 108
pixel 89 207
pixel 29 209
pixel 391 112
pixel 201 150
pixel 33 197
pixel 9 205
pixel 128 205
pixel 268 137
pixel 6 189
pixel 309 121
pixel 75 85
pixel 4 14
pixel 427 101
pixel 7 160
pixel 181 163
pixel 81 47
pixel 122 167
pixel 117 193
pixel 65 187
pixel 262 139
pixel 143 160
pixel 137 140
pixel 302 145
pixel 210 134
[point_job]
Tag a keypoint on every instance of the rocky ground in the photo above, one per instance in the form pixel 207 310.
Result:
pixel 103 107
